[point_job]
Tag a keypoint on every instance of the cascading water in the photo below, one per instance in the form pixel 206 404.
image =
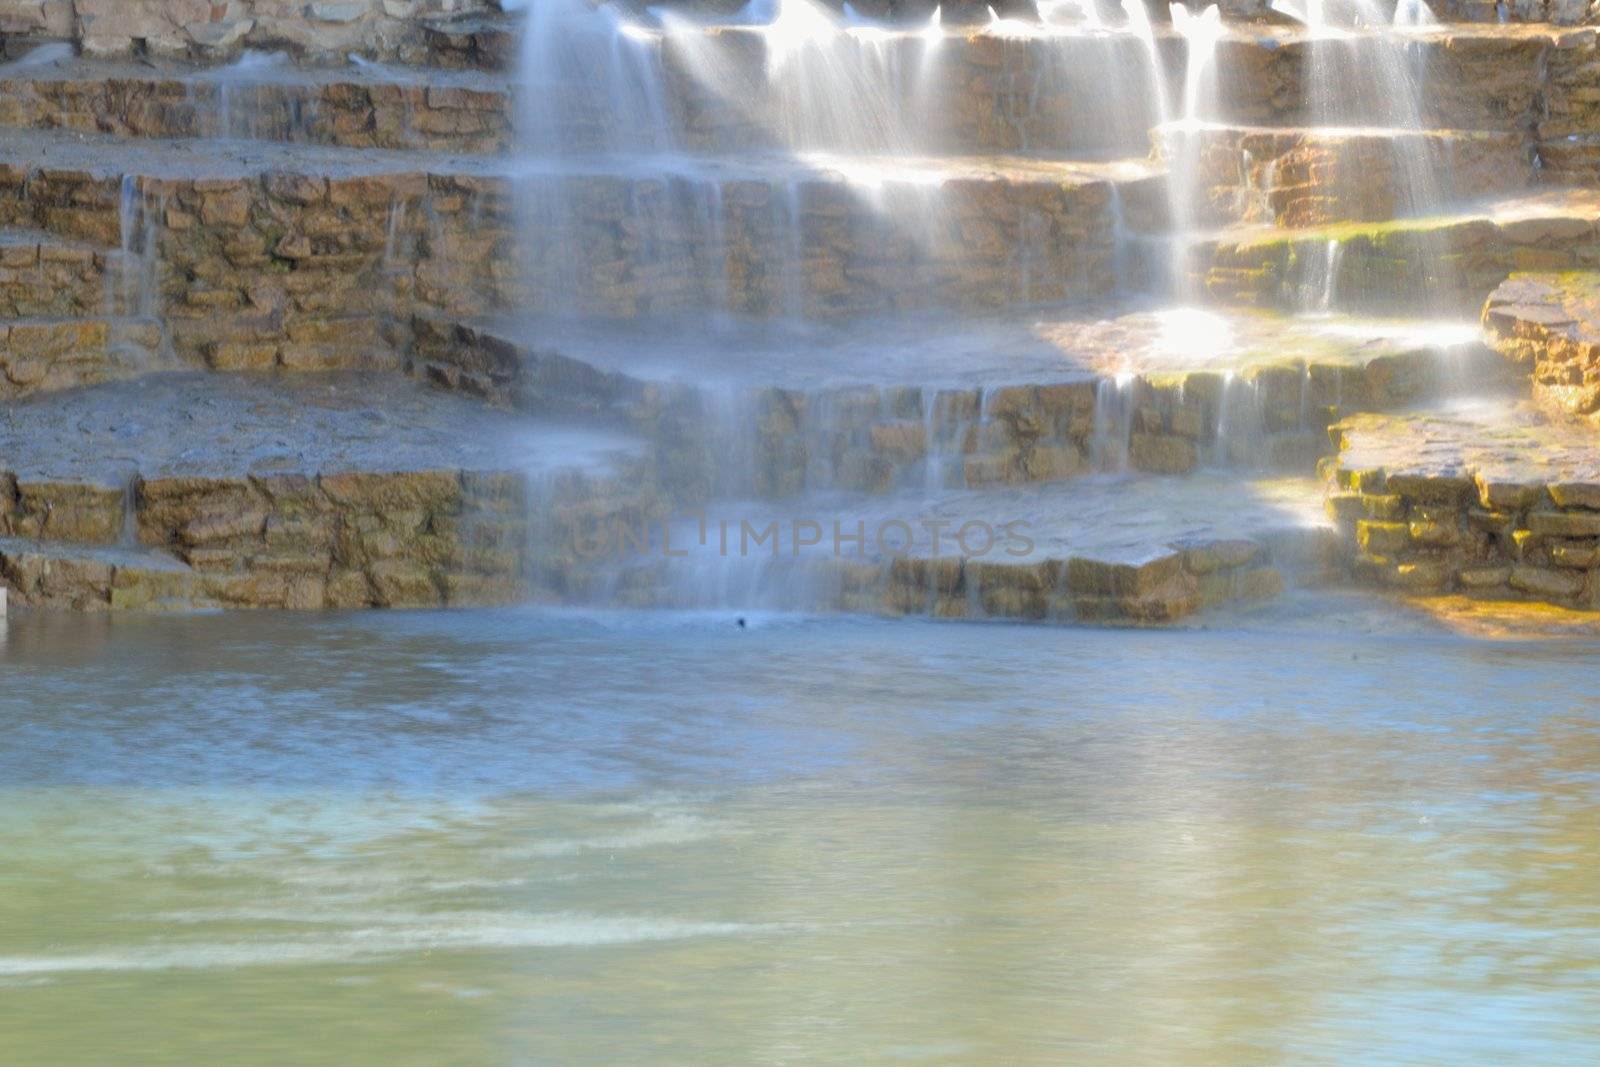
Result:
pixel 133 288
pixel 1113 423
pixel 236 91
pixel 1200 33
pixel 733 161
pixel 1318 279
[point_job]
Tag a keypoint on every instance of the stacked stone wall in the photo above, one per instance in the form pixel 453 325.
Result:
pixel 1455 532
pixel 332 28
pixel 410 115
pixel 337 540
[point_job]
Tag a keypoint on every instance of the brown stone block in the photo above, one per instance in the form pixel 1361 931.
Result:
pixel 1162 454
pixel 1507 496
pixel 1100 578
pixel 299 189
pixel 228 206
pixel 1434 533
pixel 1420 576
pixel 136 588
pixel 1484 578
pixel 1383 538
pixel 1345 508
pixel 1577 555
pixel 1563 523
pixel 1220 555
pixel 83 512
pixel 1433 489
pixel 348 589
pixel 241 355
pixel 1546 583
pixel 901 441
pixel 376 492
pixel 398 584
pixel 1576 495
pixel 1047 462
pixel 213 525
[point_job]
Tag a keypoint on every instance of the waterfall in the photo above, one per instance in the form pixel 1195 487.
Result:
pixel 1113 423
pixel 1200 35
pixel 1241 424
pixel 134 287
pixel 1317 285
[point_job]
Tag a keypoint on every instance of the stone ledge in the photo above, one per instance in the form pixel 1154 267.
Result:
pixel 1550 323
pixel 1296 177
pixel 1495 502
pixel 306 492
pixel 444 112
pixel 1145 550
pixel 46 355
pixel 325 28
pixel 998 405
pixel 1371 266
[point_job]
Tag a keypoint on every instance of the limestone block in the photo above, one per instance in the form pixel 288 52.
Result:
pixel 1421 576
pixel 1383 538
pixel 1482 578
pixel 1546 583
pixel 1220 555
pixel 1576 495
pixel 1100 578
pixel 1578 555
pixel 1162 454
pixel 1564 523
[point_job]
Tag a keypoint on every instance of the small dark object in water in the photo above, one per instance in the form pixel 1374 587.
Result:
pixel 741 622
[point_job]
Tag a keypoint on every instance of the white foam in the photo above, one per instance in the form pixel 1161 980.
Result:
pixel 384 934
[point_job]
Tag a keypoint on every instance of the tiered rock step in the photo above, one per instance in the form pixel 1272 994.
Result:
pixel 1140 550
pixel 300 491
pixel 970 91
pixel 42 274
pixel 994 401
pixel 314 247
pixel 1376 266
pixel 1550 324
pixel 370 106
pixel 1491 498
pixel 1065 91
pixel 42 355
pixel 1308 177
pixel 66 315
pixel 473 42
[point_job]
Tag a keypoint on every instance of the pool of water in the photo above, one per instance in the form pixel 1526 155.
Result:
pixel 1316 834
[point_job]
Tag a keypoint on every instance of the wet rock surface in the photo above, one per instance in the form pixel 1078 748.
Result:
pixel 1372 267
pixel 310 492
pixel 1550 324
pixel 1493 500
pixel 898 309
pixel 1123 550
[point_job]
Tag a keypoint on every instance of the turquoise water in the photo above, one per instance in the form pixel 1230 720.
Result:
pixel 1322 834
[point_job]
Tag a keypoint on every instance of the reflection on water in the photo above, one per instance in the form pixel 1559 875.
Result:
pixel 512 838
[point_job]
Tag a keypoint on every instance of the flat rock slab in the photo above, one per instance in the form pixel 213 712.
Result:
pixel 1551 324
pixel 1114 520
pixel 189 159
pixel 173 425
pixel 1495 442
pixel 986 351
pixel 1126 550
pixel 1495 500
